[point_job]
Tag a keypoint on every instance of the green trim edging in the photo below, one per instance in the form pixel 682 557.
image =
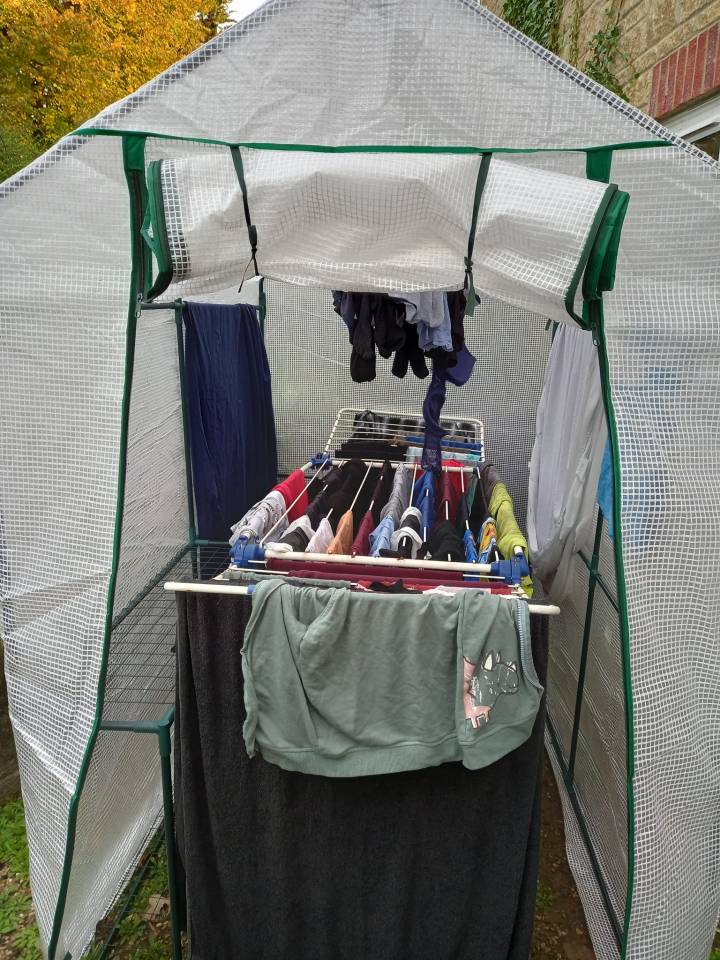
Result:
pixel 596 314
pixel 160 244
pixel 370 148
pixel 600 273
pixel 133 161
pixel 595 228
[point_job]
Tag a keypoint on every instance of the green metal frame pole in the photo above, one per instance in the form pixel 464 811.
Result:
pixel 161 729
pixel 594 563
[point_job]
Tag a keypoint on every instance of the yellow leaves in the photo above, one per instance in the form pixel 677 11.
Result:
pixel 63 61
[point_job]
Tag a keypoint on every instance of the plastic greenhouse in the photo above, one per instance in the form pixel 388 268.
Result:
pixel 359 144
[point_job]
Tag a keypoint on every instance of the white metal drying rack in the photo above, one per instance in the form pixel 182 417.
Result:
pixel 465 435
pixel 398 428
pixel 223 587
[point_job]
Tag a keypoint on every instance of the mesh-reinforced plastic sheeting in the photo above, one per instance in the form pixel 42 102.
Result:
pixel 600 759
pixel 377 73
pixel 663 333
pixel 113 824
pixel 421 73
pixel 377 222
pixel 63 317
pixel 309 356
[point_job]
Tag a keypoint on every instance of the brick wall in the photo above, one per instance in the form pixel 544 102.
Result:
pixel 667 53
pixel 687 75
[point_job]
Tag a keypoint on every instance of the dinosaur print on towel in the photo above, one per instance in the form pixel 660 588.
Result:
pixel 484 684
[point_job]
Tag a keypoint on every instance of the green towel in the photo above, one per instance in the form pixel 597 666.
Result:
pixel 340 683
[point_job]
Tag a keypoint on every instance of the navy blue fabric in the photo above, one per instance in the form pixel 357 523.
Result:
pixel 230 415
pixel 432 408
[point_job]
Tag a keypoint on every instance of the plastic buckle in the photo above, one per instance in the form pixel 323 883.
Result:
pixel 245 553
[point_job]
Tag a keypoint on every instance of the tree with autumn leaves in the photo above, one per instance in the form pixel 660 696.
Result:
pixel 63 61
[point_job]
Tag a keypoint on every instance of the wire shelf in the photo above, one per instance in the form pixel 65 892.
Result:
pixel 140 682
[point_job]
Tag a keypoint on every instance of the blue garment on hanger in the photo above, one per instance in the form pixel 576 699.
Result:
pixel 424 500
pixel 471 555
pixel 229 411
pixel 605 490
pixel 380 537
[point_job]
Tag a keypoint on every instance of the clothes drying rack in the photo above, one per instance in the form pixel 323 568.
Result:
pixel 380 429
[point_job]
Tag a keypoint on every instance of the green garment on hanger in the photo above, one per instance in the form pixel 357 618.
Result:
pixel 509 535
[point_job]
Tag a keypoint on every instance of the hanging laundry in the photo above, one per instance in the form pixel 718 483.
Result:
pixel 445 543
pixel 361 543
pixel 487 476
pixel 605 490
pixel 351 573
pixel 462 519
pixel 260 518
pixel 431 315
pixel 322 538
pixel 471 555
pixel 328 482
pixel 432 408
pixel 457 303
pixel 229 412
pixel 406 541
pixel 343 305
pixel 469 654
pixel 381 535
pixel 410 355
pixel 487 547
pixel 386 586
pixel 318 509
pixel 343 539
pixel 340 499
pixel 509 535
pixel 363 494
pixel 399 499
pixel 424 500
pixel 381 490
pixel 571 434
pixel 448 498
pixel 352 569
pixel 372 319
pixel 296 537
pixel 294 488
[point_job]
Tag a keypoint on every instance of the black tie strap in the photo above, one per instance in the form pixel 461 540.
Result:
pixel 251 229
pixel 479 187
